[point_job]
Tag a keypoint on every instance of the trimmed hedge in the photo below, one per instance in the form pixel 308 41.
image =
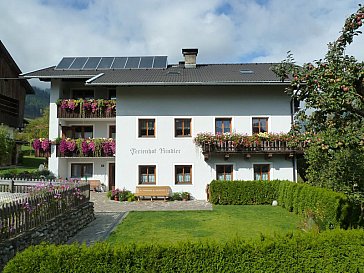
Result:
pixel 331 251
pixel 333 208
pixel 243 192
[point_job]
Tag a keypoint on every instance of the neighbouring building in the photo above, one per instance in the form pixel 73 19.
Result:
pixel 12 95
pixel 128 121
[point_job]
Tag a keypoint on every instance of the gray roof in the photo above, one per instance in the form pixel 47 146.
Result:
pixel 203 74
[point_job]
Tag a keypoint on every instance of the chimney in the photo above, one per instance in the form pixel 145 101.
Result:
pixel 190 55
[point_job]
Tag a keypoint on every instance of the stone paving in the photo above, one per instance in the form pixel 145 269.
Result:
pixel 110 213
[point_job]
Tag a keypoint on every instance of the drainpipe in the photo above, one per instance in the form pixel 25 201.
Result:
pixel 294 164
pixel 294 159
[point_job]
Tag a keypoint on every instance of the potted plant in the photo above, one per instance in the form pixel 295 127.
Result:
pixel 185 196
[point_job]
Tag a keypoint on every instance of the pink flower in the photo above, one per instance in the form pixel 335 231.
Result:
pixel 71 145
pixel 36 144
pixel 45 145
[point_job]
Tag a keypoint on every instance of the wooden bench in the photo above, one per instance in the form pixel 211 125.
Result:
pixel 153 191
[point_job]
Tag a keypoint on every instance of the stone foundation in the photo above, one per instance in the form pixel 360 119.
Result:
pixel 56 231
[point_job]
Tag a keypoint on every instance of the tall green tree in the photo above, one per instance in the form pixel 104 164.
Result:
pixel 37 128
pixel 332 117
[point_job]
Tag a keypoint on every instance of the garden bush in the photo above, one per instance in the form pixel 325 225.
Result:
pixel 333 209
pixel 330 251
pixel 243 192
pixel 33 174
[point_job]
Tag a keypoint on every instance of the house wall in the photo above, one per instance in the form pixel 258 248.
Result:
pixel 12 89
pixel 203 105
pixel 100 167
pixel 62 166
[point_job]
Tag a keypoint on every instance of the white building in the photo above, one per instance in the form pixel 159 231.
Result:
pixel 160 108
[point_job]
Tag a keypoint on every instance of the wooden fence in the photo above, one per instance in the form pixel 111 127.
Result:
pixel 25 185
pixel 41 204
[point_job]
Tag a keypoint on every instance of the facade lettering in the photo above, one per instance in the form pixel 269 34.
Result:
pixel 162 150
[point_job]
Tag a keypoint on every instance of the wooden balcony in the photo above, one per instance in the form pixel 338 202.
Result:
pixel 104 109
pixel 78 153
pixel 39 153
pixel 267 148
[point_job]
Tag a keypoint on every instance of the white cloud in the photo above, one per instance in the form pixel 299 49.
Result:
pixel 38 33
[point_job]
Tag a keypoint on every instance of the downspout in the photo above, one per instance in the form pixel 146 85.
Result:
pixel 294 159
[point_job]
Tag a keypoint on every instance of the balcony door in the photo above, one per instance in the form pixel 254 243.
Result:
pixel 111 176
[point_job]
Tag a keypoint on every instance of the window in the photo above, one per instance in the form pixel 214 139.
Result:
pixel 147 128
pixel 224 172
pixel 222 125
pixel 77 132
pixel 147 175
pixel 83 94
pixel 182 127
pixel 81 170
pixel 260 125
pixel 112 94
pixel 261 172
pixel 183 174
pixel 112 131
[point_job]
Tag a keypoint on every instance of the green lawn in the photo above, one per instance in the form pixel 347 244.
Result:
pixel 30 164
pixel 221 224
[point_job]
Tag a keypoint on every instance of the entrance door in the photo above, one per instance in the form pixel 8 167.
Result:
pixel 111 176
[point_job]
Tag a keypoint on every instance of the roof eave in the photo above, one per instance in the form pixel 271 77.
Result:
pixel 186 83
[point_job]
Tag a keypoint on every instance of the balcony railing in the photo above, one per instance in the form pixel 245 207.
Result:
pixel 91 147
pixel 86 148
pixel 262 147
pixel 72 108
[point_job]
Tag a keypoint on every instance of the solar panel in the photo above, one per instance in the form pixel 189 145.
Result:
pixel 119 63
pixel 65 63
pixel 105 62
pixel 160 62
pixel 92 63
pixel 146 62
pixel 133 62
pixel 78 63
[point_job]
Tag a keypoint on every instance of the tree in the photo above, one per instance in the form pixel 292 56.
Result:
pixel 6 146
pixel 37 128
pixel 332 118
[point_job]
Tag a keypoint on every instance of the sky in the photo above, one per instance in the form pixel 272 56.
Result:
pixel 38 33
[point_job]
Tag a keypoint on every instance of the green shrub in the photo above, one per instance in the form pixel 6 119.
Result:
pixel 332 208
pixel 331 251
pixel 243 192
pixel 29 174
pixel 176 196
pixel 126 195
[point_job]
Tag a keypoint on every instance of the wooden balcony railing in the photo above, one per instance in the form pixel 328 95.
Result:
pixel 86 108
pixel 100 151
pixel 39 153
pixel 261 147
